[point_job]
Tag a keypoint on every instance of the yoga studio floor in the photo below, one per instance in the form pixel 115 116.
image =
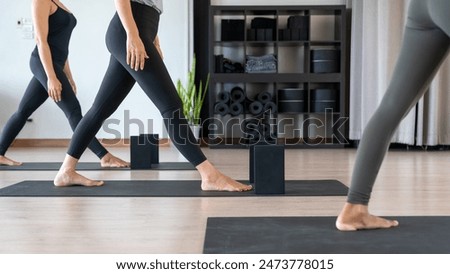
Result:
pixel 411 183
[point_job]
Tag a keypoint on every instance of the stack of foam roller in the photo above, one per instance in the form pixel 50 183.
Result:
pixel 257 128
pixel 236 103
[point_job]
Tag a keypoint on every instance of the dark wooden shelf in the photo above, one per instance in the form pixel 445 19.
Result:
pixel 290 74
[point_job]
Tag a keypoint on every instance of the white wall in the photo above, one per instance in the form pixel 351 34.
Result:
pixel 89 59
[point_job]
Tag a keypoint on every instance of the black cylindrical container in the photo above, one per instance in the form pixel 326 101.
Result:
pixel 292 100
pixel 323 99
pixel 325 61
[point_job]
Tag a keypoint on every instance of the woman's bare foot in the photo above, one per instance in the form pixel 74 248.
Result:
pixel 355 217
pixel 214 180
pixel 66 177
pixel 4 161
pixel 110 160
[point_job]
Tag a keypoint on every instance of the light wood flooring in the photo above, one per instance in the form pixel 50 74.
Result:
pixel 410 183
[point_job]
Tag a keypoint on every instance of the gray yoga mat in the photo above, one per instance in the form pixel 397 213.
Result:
pixel 86 166
pixel 318 235
pixel 162 189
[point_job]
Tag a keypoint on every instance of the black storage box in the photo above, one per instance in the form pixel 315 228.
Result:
pixel 323 99
pixel 325 61
pixel 292 100
pixel 233 30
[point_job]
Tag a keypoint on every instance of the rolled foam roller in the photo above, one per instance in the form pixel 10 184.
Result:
pixel 256 108
pixel 221 108
pixel 236 109
pixel 237 95
pixel 224 97
pixel 264 97
pixel 271 106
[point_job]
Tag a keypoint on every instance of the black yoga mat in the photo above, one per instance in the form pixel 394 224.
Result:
pixel 161 189
pixel 46 166
pixel 318 235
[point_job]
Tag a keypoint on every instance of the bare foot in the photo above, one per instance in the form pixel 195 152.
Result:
pixel 4 161
pixel 356 217
pixel 221 182
pixel 110 160
pixel 68 177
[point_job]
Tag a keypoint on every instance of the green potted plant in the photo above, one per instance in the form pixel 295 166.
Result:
pixel 192 98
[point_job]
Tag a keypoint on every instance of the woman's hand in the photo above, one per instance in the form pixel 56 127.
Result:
pixel 54 89
pixel 136 53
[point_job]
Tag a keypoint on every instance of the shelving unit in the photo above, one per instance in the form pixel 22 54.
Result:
pixel 320 33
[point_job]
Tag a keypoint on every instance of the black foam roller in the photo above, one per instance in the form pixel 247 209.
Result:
pixel 264 97
pixel 271 106
pixel 236 109
pixel 224 97
pixel 237 95
pixel 221 108
pixel 256 108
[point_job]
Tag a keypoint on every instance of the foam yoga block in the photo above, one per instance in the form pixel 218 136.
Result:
pixel 140 153
pixel 267 168
pixel 144 151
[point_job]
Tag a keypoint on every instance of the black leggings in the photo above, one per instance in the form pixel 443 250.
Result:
pixel 35 95
pixel 154 80
pixel 425 45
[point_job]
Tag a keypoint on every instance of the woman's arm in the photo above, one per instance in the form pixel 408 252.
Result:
pixel 158 46
pixel 136 53
pixel 40 13
pixel 68 73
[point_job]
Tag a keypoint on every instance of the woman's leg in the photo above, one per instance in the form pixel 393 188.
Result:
pixel 35 95
pixel 116 85
pixel 424 49
pixel 157 84
pixel 72 110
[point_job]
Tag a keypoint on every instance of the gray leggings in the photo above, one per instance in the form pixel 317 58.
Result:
pixel 425 45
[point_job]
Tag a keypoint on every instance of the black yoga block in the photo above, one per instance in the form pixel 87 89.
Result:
pixel 298 22
pixel 284 34
pixel 144 151
pixel 299 34
pixel 251 35
pixel 292 100
pixel 233 30
pixel 267 168
pixel 323 99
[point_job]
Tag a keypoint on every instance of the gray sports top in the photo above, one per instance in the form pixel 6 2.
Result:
pixel 156 4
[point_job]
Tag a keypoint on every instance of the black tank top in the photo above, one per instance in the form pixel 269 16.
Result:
pixel 60 26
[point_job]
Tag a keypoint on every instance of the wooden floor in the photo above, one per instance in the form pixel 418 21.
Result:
pixel 410 183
